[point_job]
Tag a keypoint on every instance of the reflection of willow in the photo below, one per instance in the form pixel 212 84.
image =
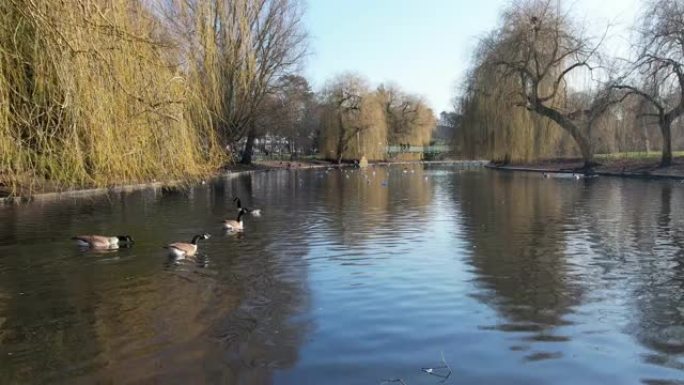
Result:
pixel 259 335
pixel 363 203
pixel 133 321
pixel 49 327
pixel 642 242
pixel 43 325
pixel 514 224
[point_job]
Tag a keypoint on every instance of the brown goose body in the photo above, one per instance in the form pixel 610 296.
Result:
pixel 237 224
pixel 184 249
pixel 102 241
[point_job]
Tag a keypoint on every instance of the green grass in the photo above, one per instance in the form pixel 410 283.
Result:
pixel 636 155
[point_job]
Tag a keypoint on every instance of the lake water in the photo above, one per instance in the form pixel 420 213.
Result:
pixel 353 278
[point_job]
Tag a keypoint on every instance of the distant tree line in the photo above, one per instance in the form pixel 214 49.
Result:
pixel 345 120
pixel 540 86
pixel 360 121
pixel 96 93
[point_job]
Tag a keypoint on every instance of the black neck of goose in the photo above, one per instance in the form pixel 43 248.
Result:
pixel 195 239
pixel 240 214
pixel 239 203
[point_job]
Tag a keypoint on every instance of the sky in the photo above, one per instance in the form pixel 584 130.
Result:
pixel 424 46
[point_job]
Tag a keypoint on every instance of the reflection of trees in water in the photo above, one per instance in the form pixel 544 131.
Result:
pixel 515 226
pixel 260 335
pixel 541 247
pixel 50 297
pixel 125 317
pixel 639 239
pixel 361 204
pixel 42 325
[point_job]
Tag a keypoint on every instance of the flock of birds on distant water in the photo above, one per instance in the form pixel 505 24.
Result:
pixel 179 250
pixel 568 175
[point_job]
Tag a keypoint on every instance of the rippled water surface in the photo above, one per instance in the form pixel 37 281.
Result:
pixel 353 277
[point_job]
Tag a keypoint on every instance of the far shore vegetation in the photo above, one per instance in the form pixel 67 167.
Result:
pixel 542 86
pixel 96 93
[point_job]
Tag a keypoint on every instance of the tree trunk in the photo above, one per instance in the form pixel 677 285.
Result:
pixel 665 129
pixel 249 148
pixel 586 149
pixel 583 141
pixel 340 138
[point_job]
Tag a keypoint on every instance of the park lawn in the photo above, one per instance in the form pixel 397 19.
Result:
pixel 636 155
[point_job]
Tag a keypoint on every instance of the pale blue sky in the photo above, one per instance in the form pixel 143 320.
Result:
pixel 422 45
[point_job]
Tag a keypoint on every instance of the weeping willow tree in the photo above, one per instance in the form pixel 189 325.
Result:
pixel 409 119
pixel 353 124
pixel 89 97
pixel 494 127
pixel 533 61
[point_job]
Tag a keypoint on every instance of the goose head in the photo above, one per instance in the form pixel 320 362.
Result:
pixel 125 239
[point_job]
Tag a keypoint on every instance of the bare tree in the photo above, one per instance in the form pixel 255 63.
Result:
pixel 539 46
pixel 238 49
pixel 282 113
pixel 660 67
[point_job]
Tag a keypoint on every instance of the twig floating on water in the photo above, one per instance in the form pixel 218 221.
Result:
pixel 393 380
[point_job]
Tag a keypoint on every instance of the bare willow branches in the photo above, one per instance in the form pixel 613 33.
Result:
pixel 94 93
pixel 531 61
pixel 88 97
pixel 237 50
pixel 358 121
pixel 659 67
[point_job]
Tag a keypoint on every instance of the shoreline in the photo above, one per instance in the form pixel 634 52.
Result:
pixel 230 170
pixel 624 168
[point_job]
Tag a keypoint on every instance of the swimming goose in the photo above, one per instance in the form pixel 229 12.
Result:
pixel 235 225
pixel 102 241
pixel 182 249
pixel 254 212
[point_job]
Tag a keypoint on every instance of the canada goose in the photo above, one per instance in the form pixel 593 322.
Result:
pixel 182 249
pixel 235 225
pixel 254 212
pixel 102 241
